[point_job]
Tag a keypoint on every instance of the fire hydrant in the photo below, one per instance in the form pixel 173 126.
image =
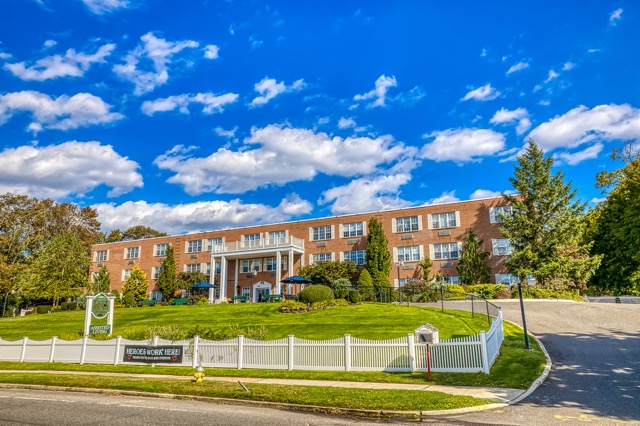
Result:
pixel 199 374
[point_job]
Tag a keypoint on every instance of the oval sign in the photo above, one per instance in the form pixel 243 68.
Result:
pixel 100 306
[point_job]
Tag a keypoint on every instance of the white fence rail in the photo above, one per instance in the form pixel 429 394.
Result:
pixel 468 354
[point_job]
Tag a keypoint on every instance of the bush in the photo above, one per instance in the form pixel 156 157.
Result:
pixel 486 291
pixel 291 306
pixel 326 304
pixel 547 293
pixel 316 293
pixel 354 296
pixel 43 309
pixel 69 306
pixel 503 293
pixel 56 308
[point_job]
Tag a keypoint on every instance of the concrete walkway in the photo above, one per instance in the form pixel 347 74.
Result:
pixel 503 395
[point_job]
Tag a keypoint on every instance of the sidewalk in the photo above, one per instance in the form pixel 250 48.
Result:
pixel 502 395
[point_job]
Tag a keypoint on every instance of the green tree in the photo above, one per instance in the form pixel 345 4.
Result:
pixel 59 270
pixel 378 257
pixel 365 285
pixel 472 266
pixel 425 266
pixel 137 232
pixel 341 288
pixel 168 278
pixel 326 273
pixel 615 226
pixel 102 281
pixel 546 226
pixel 187 279
pixel 135 287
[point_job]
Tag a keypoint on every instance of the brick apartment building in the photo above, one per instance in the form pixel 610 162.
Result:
pixel 253 260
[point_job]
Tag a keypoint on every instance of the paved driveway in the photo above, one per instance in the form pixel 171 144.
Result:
pixel 595 348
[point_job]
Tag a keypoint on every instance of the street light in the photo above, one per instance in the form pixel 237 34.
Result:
pixel 532 280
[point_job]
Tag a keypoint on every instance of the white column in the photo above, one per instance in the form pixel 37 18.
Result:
pixel 54 339
pixel 347 352
pixel 412 351
pixel 224 267
pixel 110 317
pixel 212 279
pixel 278 272
pixel 291 272
pixel 235 277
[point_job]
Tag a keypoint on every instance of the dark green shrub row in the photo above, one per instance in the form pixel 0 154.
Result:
pixel 486 291
pixel 69 306
pixel 43 309
pixel 547 293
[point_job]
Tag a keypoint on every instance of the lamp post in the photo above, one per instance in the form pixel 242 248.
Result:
pixel 253 274
pixel 400 263
pixel 524 320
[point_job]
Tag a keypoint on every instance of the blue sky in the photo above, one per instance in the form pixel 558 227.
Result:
pixel 199 115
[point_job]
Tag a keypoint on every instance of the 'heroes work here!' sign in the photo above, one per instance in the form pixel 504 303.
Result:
pixel 153 354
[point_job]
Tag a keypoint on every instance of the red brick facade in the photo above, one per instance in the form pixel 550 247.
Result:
pixel 425 230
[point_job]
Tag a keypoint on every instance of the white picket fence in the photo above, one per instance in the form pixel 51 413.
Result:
pixel 469 354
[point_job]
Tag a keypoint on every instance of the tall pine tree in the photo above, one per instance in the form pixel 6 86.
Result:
pixel 135 287
pixel 378 257
pixel 546 227
pixel 471 265
pixel 167 278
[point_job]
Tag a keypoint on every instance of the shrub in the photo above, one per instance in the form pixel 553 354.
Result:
pixel 341 288
pixel 456 290
pixel 316 293
pixel 69 306
pixel 547 293
pixel 203 301
pixel 354 296
pixel 486 291
pixel 56 308
pixel 292 306
pixel 503 293
pixel 326 304
pixel 43 309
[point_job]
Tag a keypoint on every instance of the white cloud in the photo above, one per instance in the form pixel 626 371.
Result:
pixel 574 158
pixel 101 7
pixel 345 123
pixel 367 194
pixel 49 43
pixel 551 76
pixel 382 85
pixel 568 66
pixel 198 216
pixel 72 64
pixel 299 154
pixel 483 52
pixel 211 103
pixel 62 113
pixel 4 55
pixel 211 51
pixel 596 200
pixel 486 193
pixel 69 168
pixel 615 16
pixel 519 115
pixel 518 67
pixel 268 89
pixel 159 52
pixel 482 93
pixel 445 197
pixel 610 122
pixel 226 133
pixel 462 145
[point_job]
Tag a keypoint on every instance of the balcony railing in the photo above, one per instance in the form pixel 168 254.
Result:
pixel 263 243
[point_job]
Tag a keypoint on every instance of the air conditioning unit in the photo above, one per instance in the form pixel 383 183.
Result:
pixel 131 262
pixel 100 264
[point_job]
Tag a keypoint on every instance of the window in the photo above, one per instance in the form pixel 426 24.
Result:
pixel 125 274
pixel 161 249
pixel 356 257
pixel 193 267
pixel 271 264
pixel 101 255
pixel 443 220
pixel 451 279
pixel 506 279
pixel 277 237
pixel 446 251
pixel 218 267
pixel 207 268
pixel 211 242
pixel 156 295
pixel 194 246
pixel 407 224
pixel 252 237
pixel 352 230
pixel 246 291
pixel 155 272
pixel 501 247
pixel 409 254
pixel 321 257
pixel 496 213
pixel 322 233
pixel 94 275
pixel 132 253
pixel 251 265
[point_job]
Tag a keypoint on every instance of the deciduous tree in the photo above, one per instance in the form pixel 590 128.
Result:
pixel 136 285
pixel 326 273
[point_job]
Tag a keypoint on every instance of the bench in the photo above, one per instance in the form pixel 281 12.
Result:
pixel 147 302
pixel 183 301
pixel 241 299
pixel 274 297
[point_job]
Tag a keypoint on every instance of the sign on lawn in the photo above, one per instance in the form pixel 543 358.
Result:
pixel 153 354
pixel 100 329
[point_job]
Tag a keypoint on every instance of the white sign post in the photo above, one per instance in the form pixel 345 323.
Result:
pixel 99 306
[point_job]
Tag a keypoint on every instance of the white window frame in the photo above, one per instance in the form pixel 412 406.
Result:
pixel 101 256
pixel 495 212
pixel 155 272
pixel 350 230
pixel 443 251
pixel 444 220
pixel 156 249
pixel 321 257
pixel 250 265
pixel 359 255
pixel 214 242
pixel 277 237
pixel 407 224
pixel 193 267
pixel 194 246
pixel 132 252
pixel 508 279
pixel 408 254
pixel 501 247
pixel 271 264
pixel 156 295
pixel 451 279
pixel 321 233
pixel 125 274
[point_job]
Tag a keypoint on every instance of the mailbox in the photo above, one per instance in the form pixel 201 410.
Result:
pixel 427 334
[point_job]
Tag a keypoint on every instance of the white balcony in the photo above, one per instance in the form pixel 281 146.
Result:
pixel 261 245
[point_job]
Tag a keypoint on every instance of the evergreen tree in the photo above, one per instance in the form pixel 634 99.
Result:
pixel 167 278
pixel 616 226
pixel 135 287
pixel 471 265
pixel 102 281
pixel 365 285
pixel 378 258
pixel 546 227
pixel 425 269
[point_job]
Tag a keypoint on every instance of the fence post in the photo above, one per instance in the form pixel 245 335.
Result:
pixel 291 340
pixel 483 350
pixel 83 352
pixel 117 354
pixel 347 352
pixel 486 302
pixel 412 352
pixel 194 361
pixel 24 349
pixel 53 348
pixel 240 351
